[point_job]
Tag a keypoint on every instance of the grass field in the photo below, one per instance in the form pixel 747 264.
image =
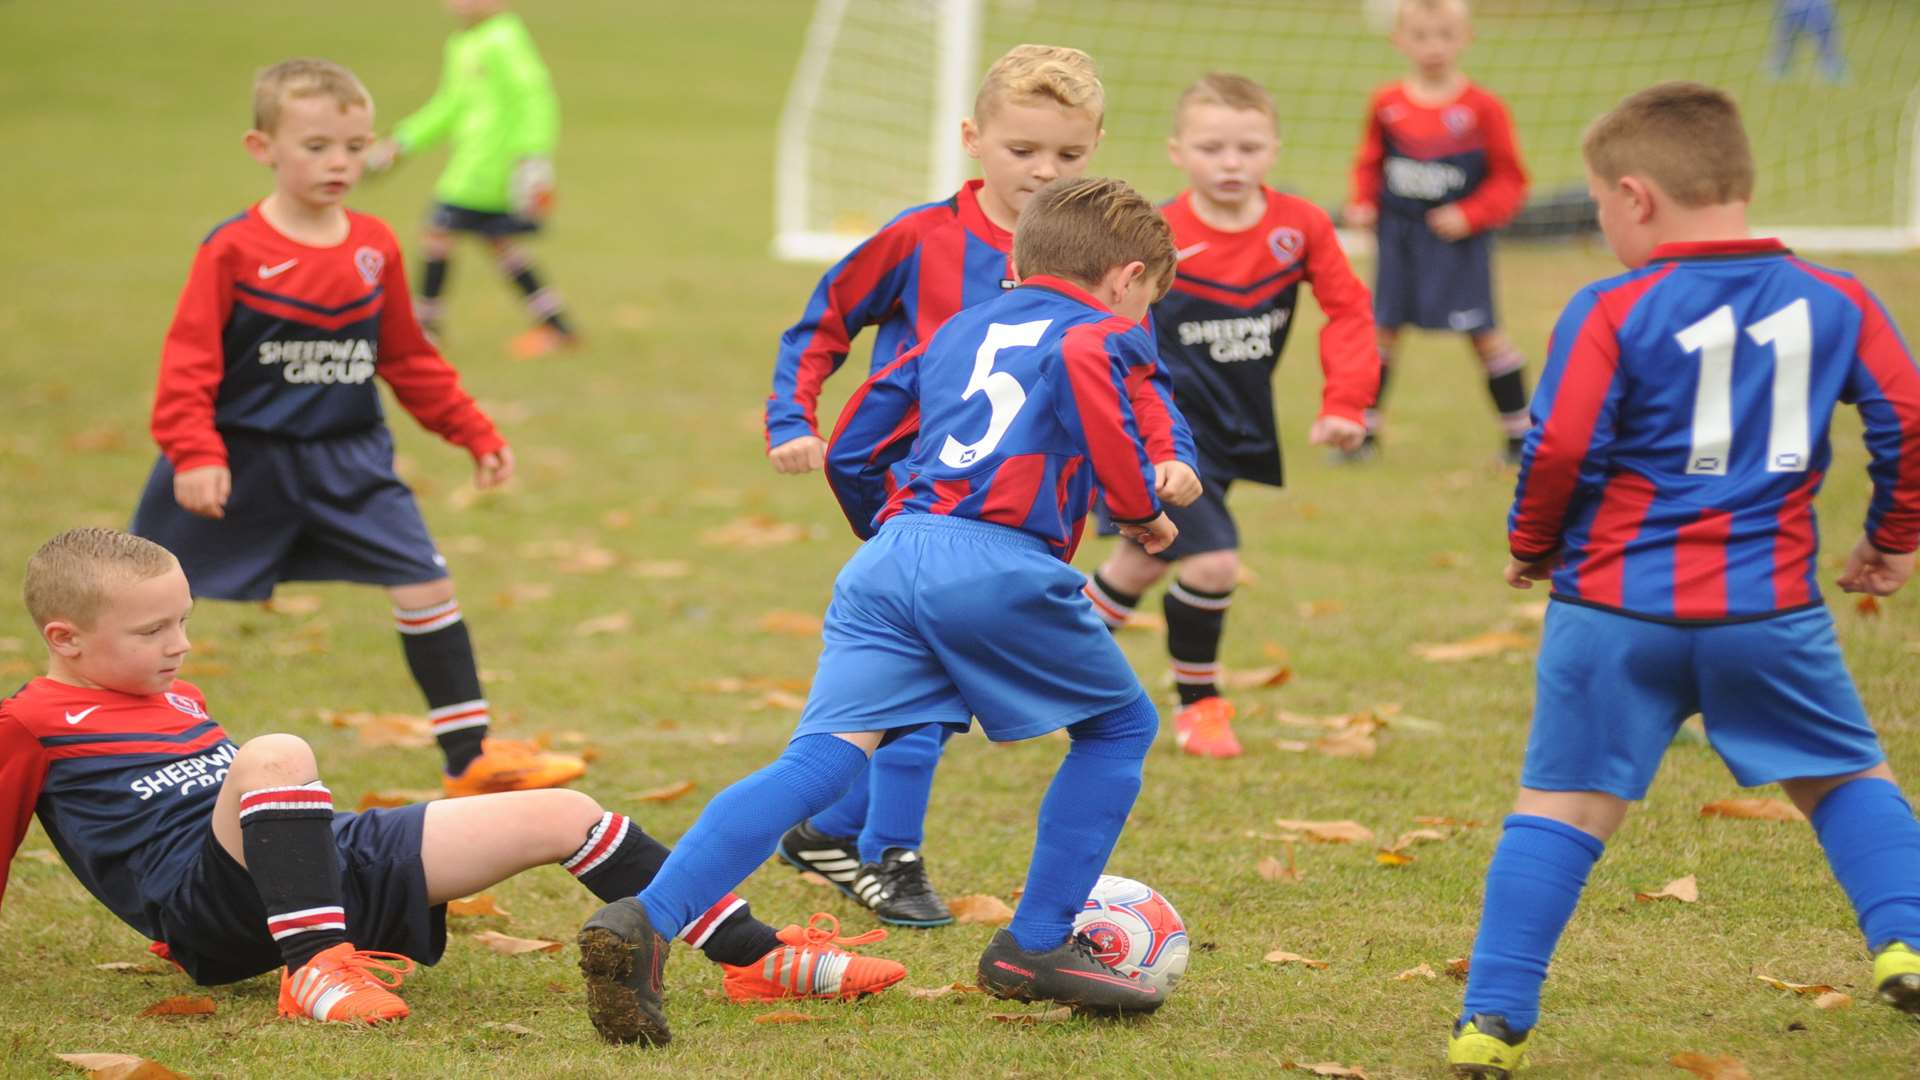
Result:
pixel 124 124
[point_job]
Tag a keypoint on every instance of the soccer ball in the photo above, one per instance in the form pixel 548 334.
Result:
pixel 1136 931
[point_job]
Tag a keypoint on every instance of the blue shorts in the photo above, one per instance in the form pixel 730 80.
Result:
pixel 940 619
pixel 1432 283
pixel 1612 689
pixel 301 510
pixel 216 927
pixel 487 223
pixel 1205 524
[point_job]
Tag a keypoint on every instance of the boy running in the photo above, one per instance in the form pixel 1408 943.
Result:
pixel 276 462
pixel 1666 491
pixel 1245 249
pixel 969 465
pixel 232 857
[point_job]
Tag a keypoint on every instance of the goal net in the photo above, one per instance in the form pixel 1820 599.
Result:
pixel 871 124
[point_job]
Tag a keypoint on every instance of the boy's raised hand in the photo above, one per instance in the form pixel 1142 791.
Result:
pixel 203 490
pixel 1522 575
pixel 801 455
pixel 1176 483
pixel 1154 535
pixel 382 155
pixel 1448 222
pixel 1874 572
pixel 1337 432
pixel 490 470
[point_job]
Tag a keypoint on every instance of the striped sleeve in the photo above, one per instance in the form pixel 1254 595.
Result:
pixel 1573 424
pixel 23 768
pixel 876 429
pixel 1165 431
pixel 1885 385
pixel 1097 358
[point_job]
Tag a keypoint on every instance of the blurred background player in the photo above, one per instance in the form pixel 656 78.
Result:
pixel 232 857
pixel 1680 435
pixel 1815 19
pixel 276 462
pixel 1437 171
pixel 968 467
pixel 1244 250
pixel 1036 118
pixel 496 105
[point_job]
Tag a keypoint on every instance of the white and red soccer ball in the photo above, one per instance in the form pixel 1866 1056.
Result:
pixel 1136 930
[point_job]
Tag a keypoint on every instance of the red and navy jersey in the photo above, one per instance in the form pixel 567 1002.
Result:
pixel 1416 157
pixel 124 785
pixel 1222 327
pixel 1011 413
pixel 925 266
pixel 1680 433
pixel 277 337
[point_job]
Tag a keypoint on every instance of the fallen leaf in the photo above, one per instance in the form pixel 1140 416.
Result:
pixel 617 519
pixel 119 1067
pixel 374 800
pixel 928 993
pixel 779 699
pixel 1868 606
pixel 42 855
pixel 96 440
pixel 509 1028
pixel 1329 1068
pixel 1388 857
pixel 514 946
pixel 525 592
pixel 617 622
pixel 1458 967
pixel 1686 890
pixel 661 569
pixel 1808 989
pixel 1530 610
pixel 1048 1017
pixel 1833 999
pixel 1350 742
pixel 123 967
pixel 1416 836
pixel 980 909
pixel 180 1006
pixel 294 604
pixel 1292 746
pixel 812 878
pixel 794 623
pixel 1329 832
pixel 1724 1067
pixel 1447 560
pixel 473 907
pixel 754 531
pixel 1281 956
pixel 1753 809
pixel 1455 822
pixel 1423 971
pixel 666 793
pixel 1145 620
pixel 395 729
pixel 788 1017
pixel 1313 609
pixel 1262 678
pixel 1480 646
pixel 1274 870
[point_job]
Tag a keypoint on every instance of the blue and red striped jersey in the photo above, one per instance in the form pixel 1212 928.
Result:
pixel 1415 157
pixel 1222 327
pixel 282 338
pixel 1011 413
pixel 1680 433
pixel 124 785
pixel 926 265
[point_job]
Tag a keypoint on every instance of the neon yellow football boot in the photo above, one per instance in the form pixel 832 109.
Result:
pixel 1484 1046
pixel 1896 977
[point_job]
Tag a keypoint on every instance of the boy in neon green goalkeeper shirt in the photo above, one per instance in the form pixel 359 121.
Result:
pixel 495 106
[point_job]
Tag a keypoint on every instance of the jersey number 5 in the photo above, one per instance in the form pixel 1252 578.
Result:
pixel 1003 390
pixel 1715 337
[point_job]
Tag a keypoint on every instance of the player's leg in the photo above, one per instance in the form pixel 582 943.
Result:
pixel 1387 340
pixel 1196 605
pixel 275 818
pixel 551 331
pixel 828 843
pixel 436 254
pixel 1115 589
pixel 1822 22
pixel 1506 368
pixel 892 880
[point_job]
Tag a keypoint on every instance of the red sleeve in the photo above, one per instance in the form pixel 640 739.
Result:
pixel 23 767
pixel 1504 191
pixel 192 363
pixel 1096 378
pixel 1152 414
pixel 1366 163
pixel 1349 354
pixel 422 380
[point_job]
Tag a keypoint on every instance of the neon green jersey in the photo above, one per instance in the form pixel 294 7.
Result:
pixel 495 104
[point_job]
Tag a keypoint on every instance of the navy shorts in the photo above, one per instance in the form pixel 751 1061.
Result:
pixel 216 927
pixel 1612 689
pixel 301 510
pixel 1205 524
pixel 1432 283
pixel 489 223
pixel 941 619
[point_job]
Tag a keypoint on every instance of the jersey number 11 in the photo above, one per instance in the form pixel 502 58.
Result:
pixel 1715 337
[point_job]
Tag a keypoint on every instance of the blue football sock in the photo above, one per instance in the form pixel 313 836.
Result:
pixel 1873 844
pixel 1080 820
pixel 902 783
pixel 1533 884
pixel 848 816
pixel 739 828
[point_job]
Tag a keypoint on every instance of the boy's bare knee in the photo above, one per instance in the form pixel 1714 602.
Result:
pixel 1808 791
pixel 276 758
pixel 1596 813
pixel 423 594
pixel 1130 569
pixel 1212 571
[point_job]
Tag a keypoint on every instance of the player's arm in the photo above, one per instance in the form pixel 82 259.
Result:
pixel 1164 430
pixel 527 85
pixel 1349 354
pixel 23 768
pixel 876 429
pixel 1568 447
pixel 860 290
pixel 1885 385
pixel 433 121
pixel 1096 358
pixel 1363 197
pixel 1504 190
pixel 192 364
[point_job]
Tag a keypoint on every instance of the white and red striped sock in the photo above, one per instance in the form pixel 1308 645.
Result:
pixel 440 655
pixel 286 834
pixel 619 859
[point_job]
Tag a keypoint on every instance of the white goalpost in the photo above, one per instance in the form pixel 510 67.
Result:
pixel 871 122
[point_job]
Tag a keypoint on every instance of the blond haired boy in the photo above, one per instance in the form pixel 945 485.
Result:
pixel 1035 119
pixel 1680 434
pixel 232 857
pixel 965 607
pixel 1245 250
pixel 276 463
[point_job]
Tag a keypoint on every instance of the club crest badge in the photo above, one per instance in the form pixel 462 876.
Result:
pixel 187 705
pixel 370 264
pixel 1286 244
pixel 1458 118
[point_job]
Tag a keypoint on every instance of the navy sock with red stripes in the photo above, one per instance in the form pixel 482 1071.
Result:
pixel 440 655
pixel 286 834
pixel 1195 620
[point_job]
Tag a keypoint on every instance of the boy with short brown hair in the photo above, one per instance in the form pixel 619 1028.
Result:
pixel 1666 490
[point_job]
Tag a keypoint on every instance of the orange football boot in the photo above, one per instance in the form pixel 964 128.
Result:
pixel 341 985
pixel 811 964
pixel 513 765
pixel 1205 729
pixel 541 341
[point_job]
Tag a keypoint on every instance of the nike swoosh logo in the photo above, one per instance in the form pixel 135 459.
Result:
pixel 275 271
pixel 1188 252
pixel 1115 980
pixel 74 718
